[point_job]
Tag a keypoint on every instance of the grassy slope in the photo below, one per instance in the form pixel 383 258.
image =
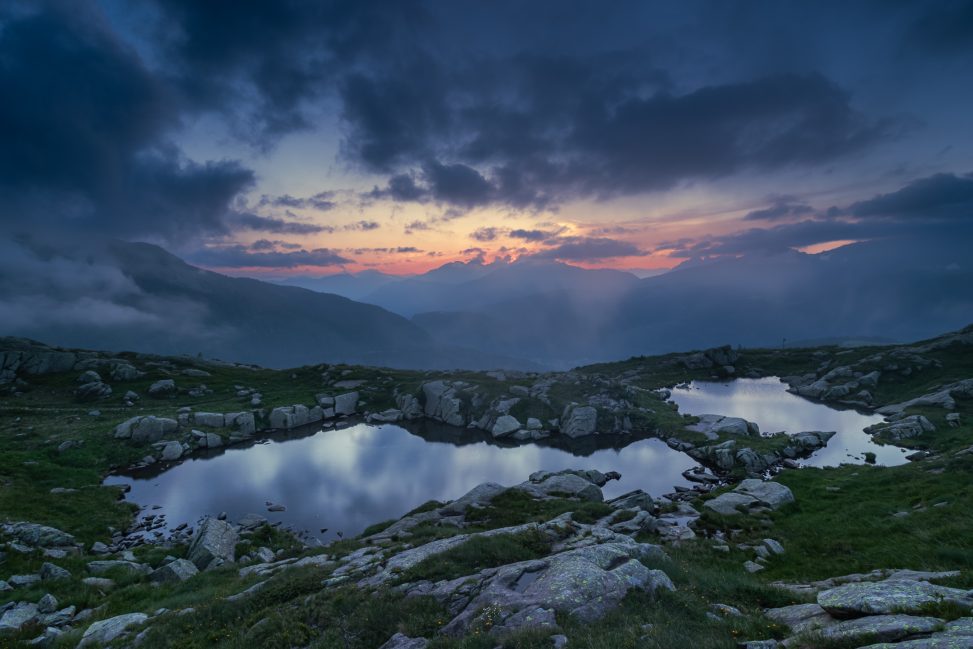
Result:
pixel 842 521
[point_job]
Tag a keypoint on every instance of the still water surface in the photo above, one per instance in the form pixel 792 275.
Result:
pixel 349 478
pixel 767 402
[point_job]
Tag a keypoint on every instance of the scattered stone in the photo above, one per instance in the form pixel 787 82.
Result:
pixel 752 567
pixel 47 604
pixel 214 544
pixel 51 572
pixel 163 388
pixel 402 641
pixel 505 425
pixel 579 421
pixel 346 404
pixel 38 535
pixel 129 567
pixel 15 618
pixel 105 631
pixel 174 571
pixel 883 628
pixel 772 494
pixel 889 596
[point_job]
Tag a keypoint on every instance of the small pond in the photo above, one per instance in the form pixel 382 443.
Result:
pixel 348 479
pixel 767 402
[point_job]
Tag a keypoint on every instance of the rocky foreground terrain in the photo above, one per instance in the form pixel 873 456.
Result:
pixel 761 553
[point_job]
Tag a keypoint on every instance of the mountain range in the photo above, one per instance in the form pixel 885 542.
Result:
pixel 526 314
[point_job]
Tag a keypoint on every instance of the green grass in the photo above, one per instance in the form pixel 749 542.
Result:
pixel 844 520
pixel 850 527
pixel 514 507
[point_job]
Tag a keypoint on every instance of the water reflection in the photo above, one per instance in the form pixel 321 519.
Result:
pixel 767 402
pixel 345 480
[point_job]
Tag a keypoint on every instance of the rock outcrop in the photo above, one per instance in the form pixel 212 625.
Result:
pixel 214 544
pixel 750 494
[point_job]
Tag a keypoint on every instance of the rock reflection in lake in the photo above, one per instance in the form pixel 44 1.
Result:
pixel 347 479
pixel 767 402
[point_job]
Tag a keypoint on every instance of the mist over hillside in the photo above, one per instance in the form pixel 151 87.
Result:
pixel 134 296
pixel 525 315
pixel 553 314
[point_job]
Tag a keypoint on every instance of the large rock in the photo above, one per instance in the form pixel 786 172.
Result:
pixel 731 503
pixel 174 571
pixel 243 422
pixel 51 572
pixel 124 372
pixel 172 451
pixel 479 495
pixel 286 417
pixel 561 485
pixel 442 404
pixel 942 398
pixel 888 597
pixel 800 617
pixel 715 425
pixel 212 419
pixel 586 583
pixel 105 631
pixel 905 428
pixel 38 535
pixel 505 425
pixel 18 616
pixel 579 421
pixel 214 544
pixel 402 641
pixel 884 628
pixel 145 430
pixel 130 567
pixel 163 388
pixel 957 634
pixel 773 494
pixel 748 494
pixel 92 391
pixel 346 404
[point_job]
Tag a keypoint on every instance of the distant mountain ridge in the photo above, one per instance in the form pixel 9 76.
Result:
pixel 146 299
pixel 894 290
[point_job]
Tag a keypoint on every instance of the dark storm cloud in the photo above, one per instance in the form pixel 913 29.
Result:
pixel 945 27
pixel 84 127
pixel 781 208
pixel 364 226
pixel 277 226
pixel 243 257
pixel 322 201
pixel 607 139
pixel 942 196
pixel 939 206
pixel 416 226
pixel 530 235
pixel 485 234
pixel 589 249
pixel 260 64
pixel 461 108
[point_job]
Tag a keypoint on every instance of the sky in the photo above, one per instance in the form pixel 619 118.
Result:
pixel 272 139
